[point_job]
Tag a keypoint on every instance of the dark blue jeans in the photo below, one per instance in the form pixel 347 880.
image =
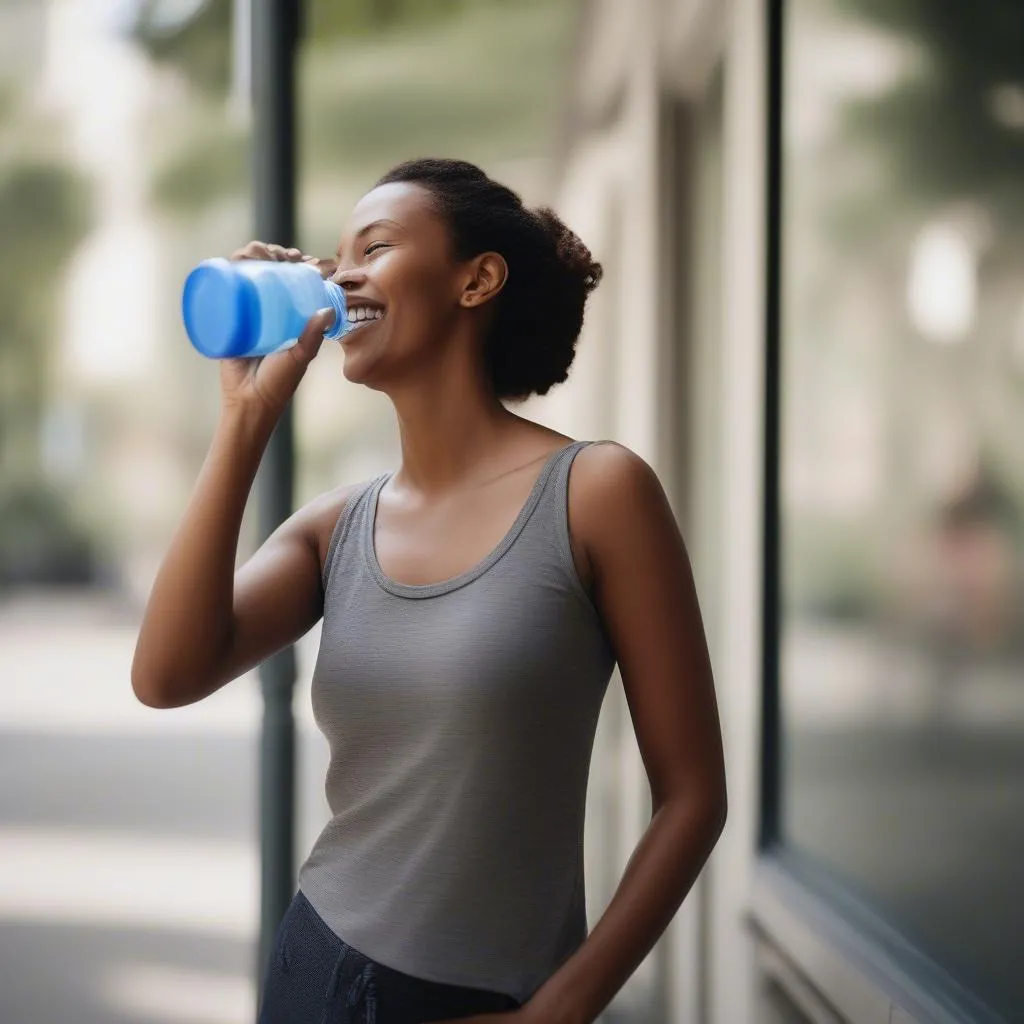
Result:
pixel 313 977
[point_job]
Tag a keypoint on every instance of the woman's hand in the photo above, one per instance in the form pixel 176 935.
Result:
pixel 267 383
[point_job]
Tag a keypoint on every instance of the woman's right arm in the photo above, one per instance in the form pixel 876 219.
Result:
pixel 205 624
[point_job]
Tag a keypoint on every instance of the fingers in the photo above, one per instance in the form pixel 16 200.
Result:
pixel 326 267
pixel 269 251
pixel 252 251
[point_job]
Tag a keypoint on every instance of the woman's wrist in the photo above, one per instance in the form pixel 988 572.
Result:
pixel 239 441
pixel 247 422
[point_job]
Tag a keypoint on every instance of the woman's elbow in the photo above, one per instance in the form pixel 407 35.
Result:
pixel 716 804
pixel 701 812
pixel 710 812
pixel 718 814
pixel 161 690
pixel 149 691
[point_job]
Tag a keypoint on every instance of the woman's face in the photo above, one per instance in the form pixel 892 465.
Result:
pixel 401 282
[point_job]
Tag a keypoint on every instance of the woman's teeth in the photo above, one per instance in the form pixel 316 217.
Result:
pixel 363 314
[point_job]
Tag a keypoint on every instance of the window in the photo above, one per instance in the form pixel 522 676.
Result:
pixel 899 566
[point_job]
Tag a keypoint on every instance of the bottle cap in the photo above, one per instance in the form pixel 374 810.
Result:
pixel 220 308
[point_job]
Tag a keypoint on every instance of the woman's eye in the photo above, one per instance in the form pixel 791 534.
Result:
pixel 373 247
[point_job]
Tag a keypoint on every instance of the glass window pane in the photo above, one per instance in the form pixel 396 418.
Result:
pixel 902 480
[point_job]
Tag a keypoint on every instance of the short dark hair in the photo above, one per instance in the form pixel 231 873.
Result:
pixel 551 272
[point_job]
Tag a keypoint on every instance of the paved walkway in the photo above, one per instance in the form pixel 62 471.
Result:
pixel 128 860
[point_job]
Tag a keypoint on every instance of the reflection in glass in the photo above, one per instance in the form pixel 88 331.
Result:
pixel 902 488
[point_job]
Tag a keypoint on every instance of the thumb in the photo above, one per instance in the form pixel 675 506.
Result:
pixel 313 333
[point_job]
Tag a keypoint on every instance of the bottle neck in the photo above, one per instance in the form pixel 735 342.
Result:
pixel 336 300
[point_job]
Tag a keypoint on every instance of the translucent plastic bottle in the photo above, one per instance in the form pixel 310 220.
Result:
pixel 255 307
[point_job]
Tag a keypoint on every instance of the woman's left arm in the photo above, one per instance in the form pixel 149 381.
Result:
pixel 643 588
pixel 644 591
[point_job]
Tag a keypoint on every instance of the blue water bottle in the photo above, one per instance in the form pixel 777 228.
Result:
pixel 255 307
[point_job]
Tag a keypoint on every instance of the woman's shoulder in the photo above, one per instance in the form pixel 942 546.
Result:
pixel 605 465
pixel 611 488
pixel 322 514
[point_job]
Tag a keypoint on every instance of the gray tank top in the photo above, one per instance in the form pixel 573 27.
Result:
pixel 461 718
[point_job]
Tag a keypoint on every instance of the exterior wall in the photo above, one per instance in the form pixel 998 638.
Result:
pixel 731 979
pixel 623 189
pixel 609 194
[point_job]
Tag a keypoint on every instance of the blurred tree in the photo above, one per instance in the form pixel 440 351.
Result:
pixel 946 136
pixel 327 19
pixel 40 539
pixel 210 165
pixel 382 81
pixel 953 127
pixel 195 37
pixel 44 214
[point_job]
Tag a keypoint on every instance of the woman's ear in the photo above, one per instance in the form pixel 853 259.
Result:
pixel 487 275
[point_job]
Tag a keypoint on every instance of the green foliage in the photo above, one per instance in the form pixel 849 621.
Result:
pixel 40 539
pixel 44 209
pixel 212 166
pixel 936 129
pixel 403 82
pixel 44 214
pixel 481 86
pixel 200 48
pixel 7 102
pixel 327 20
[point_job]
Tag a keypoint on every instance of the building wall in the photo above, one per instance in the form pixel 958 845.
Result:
pixel 662 376
pixel 608 195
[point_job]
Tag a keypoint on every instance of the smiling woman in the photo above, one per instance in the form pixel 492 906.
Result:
pixel 426 218
pixel 474 605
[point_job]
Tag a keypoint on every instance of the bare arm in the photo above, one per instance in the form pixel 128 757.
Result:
pixel 645 592
pixel 204 624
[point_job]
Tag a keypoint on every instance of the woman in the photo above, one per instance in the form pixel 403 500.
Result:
pixel 474 604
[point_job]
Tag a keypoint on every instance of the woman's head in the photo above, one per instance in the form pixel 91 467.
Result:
pixel 454 243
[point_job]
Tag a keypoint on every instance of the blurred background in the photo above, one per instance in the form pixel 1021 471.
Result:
pixel 811 217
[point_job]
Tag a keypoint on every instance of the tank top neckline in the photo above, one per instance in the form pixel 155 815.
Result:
pixel 420 590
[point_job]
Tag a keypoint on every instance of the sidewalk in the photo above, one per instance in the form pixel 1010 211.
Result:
pixel 129 891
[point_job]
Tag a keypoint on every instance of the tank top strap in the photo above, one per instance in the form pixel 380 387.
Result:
pixel 548 541
pixel 550 516
pixel 348 522
pixel 555 491
pixel 557 486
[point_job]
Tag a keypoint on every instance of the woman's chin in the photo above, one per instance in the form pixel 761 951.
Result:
pixel 350 372
pixel 354 369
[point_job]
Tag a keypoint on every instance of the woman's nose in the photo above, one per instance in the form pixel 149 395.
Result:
pixel 349 278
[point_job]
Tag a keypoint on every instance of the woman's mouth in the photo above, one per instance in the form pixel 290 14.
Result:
pixel 359 316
